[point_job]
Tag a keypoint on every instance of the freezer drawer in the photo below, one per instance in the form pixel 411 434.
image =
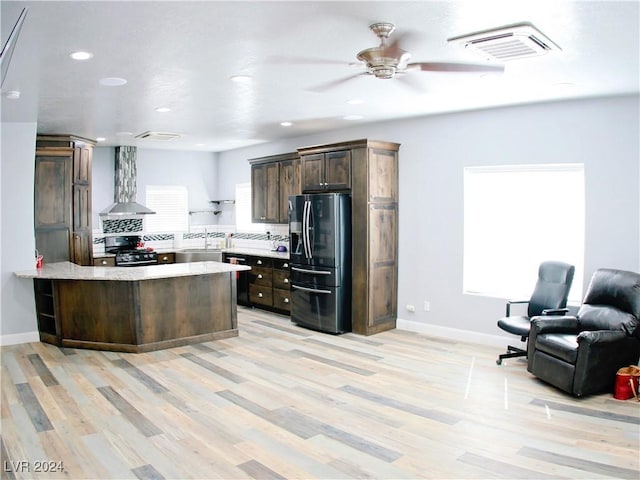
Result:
pixel 327 309
pixel 317 276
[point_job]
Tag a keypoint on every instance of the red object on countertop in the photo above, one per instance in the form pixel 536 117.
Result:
pixel 149 249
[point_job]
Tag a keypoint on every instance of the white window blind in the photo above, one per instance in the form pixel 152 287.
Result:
pixel 243 210
pixel 171 204
pixel 516 217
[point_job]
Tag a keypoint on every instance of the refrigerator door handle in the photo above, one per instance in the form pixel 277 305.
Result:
pixel 313 272
pixel 306 227
pixel 312 290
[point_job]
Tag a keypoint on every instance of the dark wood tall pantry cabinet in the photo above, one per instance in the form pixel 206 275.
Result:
pixel 62 196
pixel 371 175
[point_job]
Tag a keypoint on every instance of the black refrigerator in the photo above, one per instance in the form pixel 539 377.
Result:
pixel 320 257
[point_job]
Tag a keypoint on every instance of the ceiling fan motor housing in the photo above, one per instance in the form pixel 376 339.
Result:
pixel 383 66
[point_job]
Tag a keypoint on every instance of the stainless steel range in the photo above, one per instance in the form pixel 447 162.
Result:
pixel 128 251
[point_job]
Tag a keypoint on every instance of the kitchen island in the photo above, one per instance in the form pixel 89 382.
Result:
pixel 135 309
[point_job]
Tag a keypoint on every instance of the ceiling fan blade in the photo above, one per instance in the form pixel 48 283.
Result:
pixel 334 83
pixel 411 82
pixel 455 67
pixel 280 59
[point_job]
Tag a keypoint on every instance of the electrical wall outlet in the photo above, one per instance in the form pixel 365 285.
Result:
pixel 427 306
pixel 411 308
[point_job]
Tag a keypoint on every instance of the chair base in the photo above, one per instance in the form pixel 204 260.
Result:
pixel 511 353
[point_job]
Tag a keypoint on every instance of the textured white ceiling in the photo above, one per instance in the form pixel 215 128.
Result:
pixel 182 54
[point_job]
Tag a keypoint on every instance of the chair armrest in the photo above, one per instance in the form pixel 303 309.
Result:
pixel 603 337
pixel 510 302
pixel 555 311
pixel 555 324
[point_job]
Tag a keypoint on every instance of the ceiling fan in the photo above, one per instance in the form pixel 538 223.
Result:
pixel 388 60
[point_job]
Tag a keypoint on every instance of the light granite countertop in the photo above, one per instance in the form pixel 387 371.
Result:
pixel 256 252
pixel 71 271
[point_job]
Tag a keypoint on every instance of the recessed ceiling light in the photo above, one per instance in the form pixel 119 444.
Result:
pixel 163 109
pixel 286 124
pixel 112 81
pixel 100 139
pixel 353 117
pixel 355 101
pixel 241 78
pixel 81 55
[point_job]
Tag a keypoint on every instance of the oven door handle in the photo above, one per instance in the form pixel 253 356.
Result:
pixel 313 272
pixel 137 263
pixel 312 290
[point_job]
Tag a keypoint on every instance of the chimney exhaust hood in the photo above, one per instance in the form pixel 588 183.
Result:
pixel 125 185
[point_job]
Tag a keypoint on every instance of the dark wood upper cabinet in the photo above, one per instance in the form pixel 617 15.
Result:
pixel 290 184
pixel 273 179
pixel 265 193
pixel 326 172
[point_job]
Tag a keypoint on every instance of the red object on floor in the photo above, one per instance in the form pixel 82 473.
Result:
pixel 627 380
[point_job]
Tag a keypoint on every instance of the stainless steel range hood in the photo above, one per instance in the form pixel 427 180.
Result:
pixel 125 185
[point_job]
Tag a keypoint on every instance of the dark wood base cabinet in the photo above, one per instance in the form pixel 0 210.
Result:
pixel 137 316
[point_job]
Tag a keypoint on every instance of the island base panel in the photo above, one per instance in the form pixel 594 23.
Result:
pixel 145 315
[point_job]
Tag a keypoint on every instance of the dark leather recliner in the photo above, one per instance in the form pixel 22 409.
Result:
pixel 581 354
pixel 549 297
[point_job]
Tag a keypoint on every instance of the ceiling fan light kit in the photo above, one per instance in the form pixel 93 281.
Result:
pixel 511 42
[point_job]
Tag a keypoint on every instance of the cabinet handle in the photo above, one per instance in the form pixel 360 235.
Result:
pixel 286 280
pixel 164 259
pixel 260 276
pixel 286 300
pixel 104 262
pixel 259 262
pixel 259 294
pixel 263 218
pixel 286 265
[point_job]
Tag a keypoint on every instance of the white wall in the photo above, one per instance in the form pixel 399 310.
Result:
pixel 17 247
pixel 195 170
pixel 601 133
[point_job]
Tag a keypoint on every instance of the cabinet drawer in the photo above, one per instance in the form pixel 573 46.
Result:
pixel 282 299
pixel 104 262
pixel 261 276
pixel 281 264
pixel 166 258
pixel 261 295
pixel 281 279
pixel 260 262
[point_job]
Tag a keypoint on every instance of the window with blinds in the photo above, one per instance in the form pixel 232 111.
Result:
pixel 171 204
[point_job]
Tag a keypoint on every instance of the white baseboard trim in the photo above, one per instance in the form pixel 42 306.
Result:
pixel 453 333
pixel 18 338
pixel 401 324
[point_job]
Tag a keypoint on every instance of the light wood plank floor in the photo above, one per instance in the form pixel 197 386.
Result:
pixel 283 402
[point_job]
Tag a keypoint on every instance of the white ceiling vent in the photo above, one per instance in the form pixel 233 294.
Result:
pixel 511 42
pixel 158 136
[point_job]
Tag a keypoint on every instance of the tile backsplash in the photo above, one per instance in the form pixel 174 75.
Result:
pixel 215 235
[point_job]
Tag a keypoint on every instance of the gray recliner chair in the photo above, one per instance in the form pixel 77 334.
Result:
pixel 581 354
pixel 549 297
